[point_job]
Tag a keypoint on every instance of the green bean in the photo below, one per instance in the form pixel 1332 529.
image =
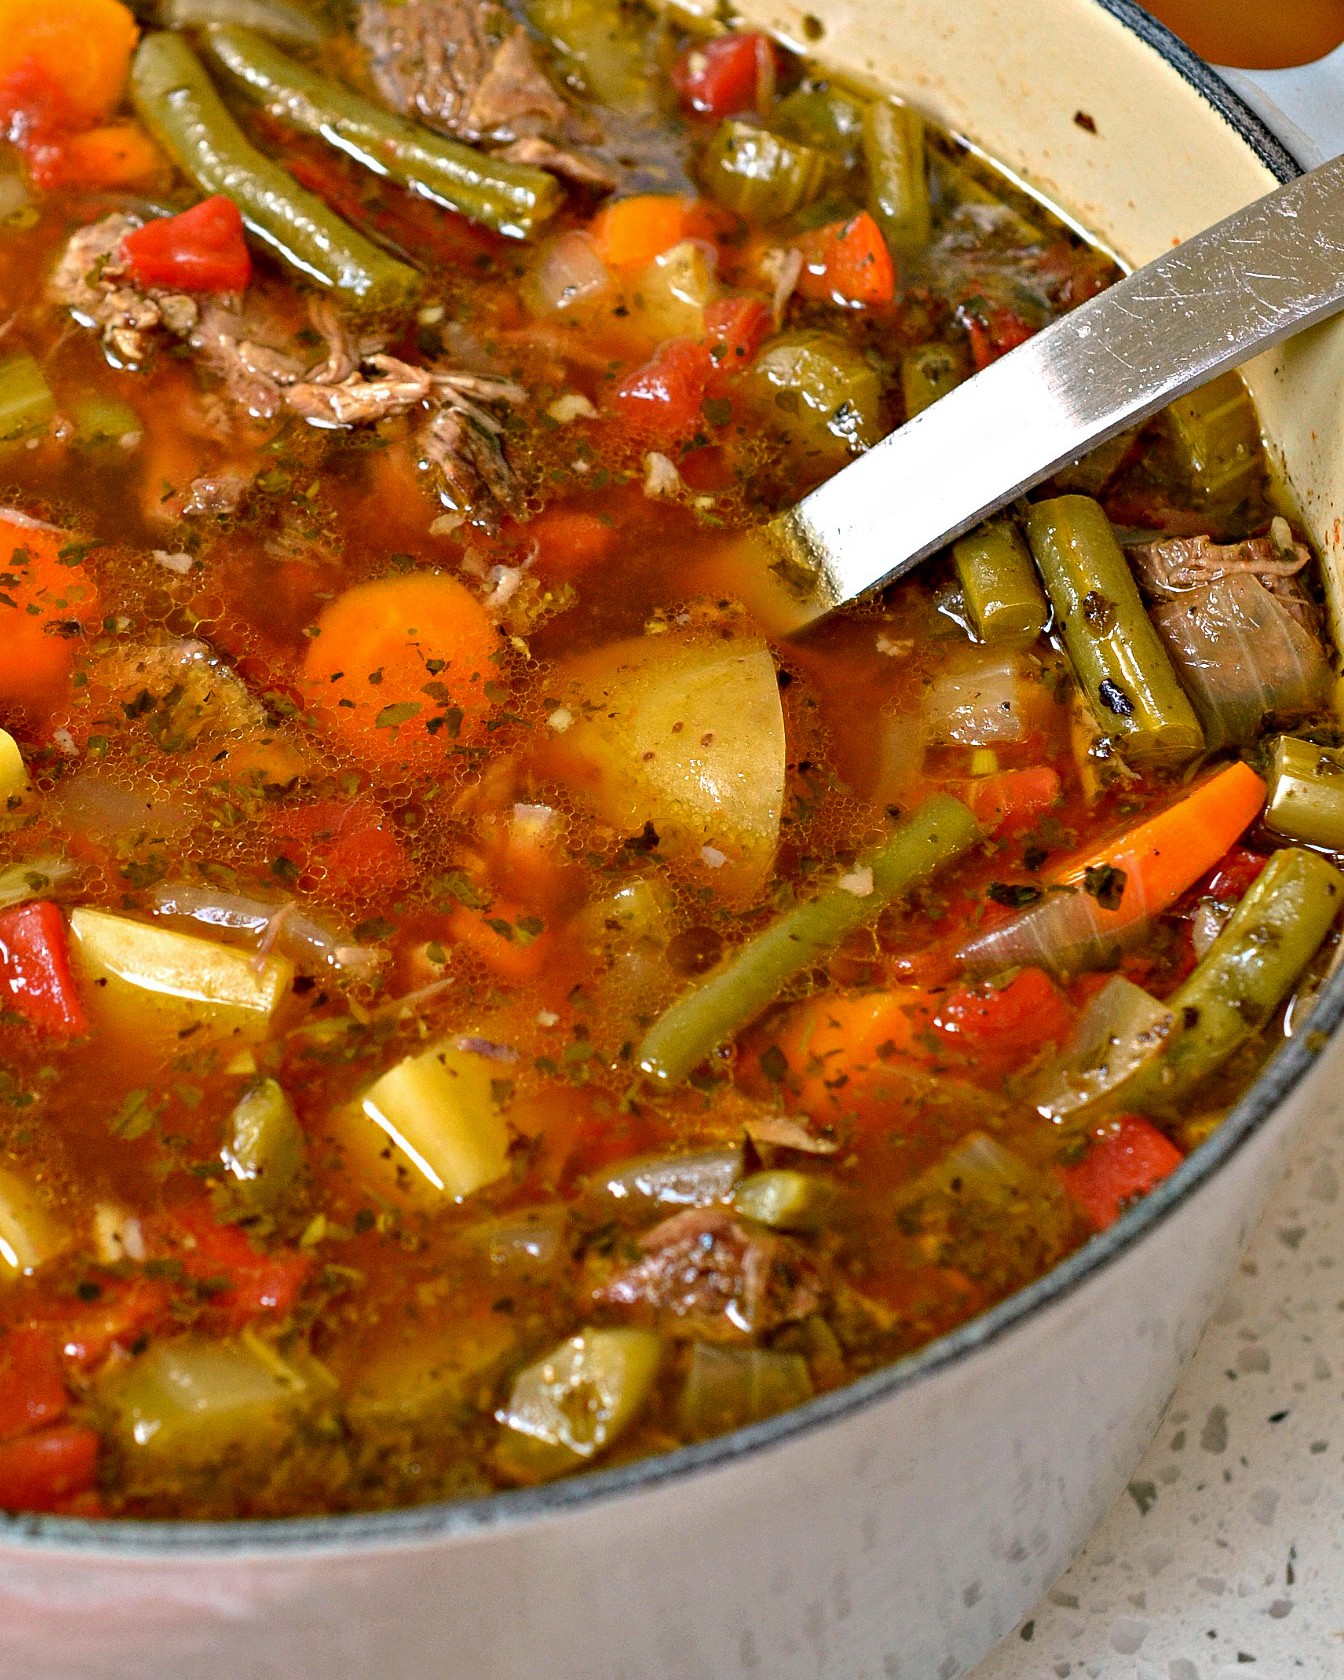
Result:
pixel 929 372
pixel 176 101
pixel 1306 793
pixel 1217 436
pixel 272 17
pixel 898 177
pixel 1120 663
pixel 761 175
pixel 753 975
pixel 1246 973
pixel 999 586
pixel 512 198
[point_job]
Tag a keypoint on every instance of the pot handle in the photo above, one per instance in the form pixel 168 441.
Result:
pixel 1304 106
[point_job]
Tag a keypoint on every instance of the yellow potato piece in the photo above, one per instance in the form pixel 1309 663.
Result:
pixel 685 733
pixel 173 978
pixel 430 1129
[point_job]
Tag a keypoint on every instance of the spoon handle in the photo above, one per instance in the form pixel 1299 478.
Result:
pixel 1267 272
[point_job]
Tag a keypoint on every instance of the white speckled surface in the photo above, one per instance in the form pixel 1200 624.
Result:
pixel 1225 1561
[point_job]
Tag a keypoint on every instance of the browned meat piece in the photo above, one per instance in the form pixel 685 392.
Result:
pixel 214 494
pixel 1168 568
pixel 705 1273
pixel 357 399
pixel 461 444
pixel 90 281
pixel 779 1131
pixel 467 68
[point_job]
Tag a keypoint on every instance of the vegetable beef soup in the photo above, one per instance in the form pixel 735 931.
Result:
pixel 477 1005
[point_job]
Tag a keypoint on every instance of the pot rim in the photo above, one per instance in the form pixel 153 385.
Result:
pixel 420 1525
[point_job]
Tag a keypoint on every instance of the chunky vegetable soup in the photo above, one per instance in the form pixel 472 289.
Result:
pixel 475 1005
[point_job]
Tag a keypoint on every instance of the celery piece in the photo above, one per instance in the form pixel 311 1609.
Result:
pixel 669 295
pixel 929 372
pixel 153 975
pixel 100 419
pixel 821 394
pixel 1306 793
pixel 1216 434
pixel 1122 1030
pixel 569 1407
pixel 192 1399
pixel 898 177
pixel 602 48
pixel 30 1233
pixel 419 1378
pixel 785 1200
pixel 429 1130
pixel 26 402
pixel 263 1147
pixel 824 118
pixel 727 1388
pixel 760 175
pixel 13 773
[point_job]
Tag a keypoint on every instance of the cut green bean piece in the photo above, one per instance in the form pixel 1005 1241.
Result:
pixel 898 176
pixel 1117 656
pixel 603 49
pixel 1245 975
pixel 754 975
pixel 262 1151
pixel 26 402
pixel 291 24
pixel 761 175
pixel 929 372
pixel 785 1200
pixel 1306 793
pixel 511 198
pixel 1216 434
pixel 1003 597
pixel 177 102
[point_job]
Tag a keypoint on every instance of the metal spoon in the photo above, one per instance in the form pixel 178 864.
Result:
pixel 1267 272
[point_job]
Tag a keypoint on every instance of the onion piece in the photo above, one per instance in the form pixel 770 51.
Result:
pixel 308 940
pixel 1242 655
pixel 1122 1031
pixel 980 701
pixel 568 273
pixel 32 878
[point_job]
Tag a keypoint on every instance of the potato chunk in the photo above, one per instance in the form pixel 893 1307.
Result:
pixel 687 734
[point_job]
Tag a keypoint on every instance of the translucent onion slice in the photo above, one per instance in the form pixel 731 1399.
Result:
pixel 308 940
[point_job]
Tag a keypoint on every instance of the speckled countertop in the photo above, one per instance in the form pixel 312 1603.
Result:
pixel 1225 1560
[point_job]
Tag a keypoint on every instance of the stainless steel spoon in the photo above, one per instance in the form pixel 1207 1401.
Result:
pixel 1267 272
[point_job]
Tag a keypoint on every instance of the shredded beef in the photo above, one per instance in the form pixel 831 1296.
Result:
pixel 468 69
pixel 1168 568
pixel 705 1273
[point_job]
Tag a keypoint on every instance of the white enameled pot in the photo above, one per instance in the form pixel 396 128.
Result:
pixel 897 1529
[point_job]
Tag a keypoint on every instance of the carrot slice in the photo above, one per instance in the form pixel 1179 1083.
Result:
pixel 40 594
pixel 73 56
pixel 847 1055
pixel 398 669
pixel 630 232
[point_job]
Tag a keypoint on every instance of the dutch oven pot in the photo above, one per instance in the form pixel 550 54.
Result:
pixel 896 1529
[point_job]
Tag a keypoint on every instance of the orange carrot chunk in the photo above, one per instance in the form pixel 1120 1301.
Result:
pixel 630 232
pixel 398 669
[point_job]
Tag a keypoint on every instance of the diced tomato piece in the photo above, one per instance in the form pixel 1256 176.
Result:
pixel 41 1472
pixel 994 332
pixel 1127 1162
pixel 570 541
pixel 847 263
pixel 350 845
pixel 733 73
pixel 202 250
pixel 1012 799
pixel 35 978
pixel 120 1316
pixel 735 328
pixel 32 1384
pixel 661 401
pixel 242 1283
pixel 1232 877
pixel 1002 1027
